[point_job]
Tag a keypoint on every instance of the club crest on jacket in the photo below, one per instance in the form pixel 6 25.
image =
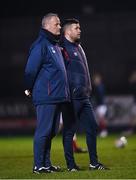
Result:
pixel 75 53
pixel 53 50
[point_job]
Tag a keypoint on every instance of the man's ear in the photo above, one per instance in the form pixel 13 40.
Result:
pixel 68 31
pixel 46 27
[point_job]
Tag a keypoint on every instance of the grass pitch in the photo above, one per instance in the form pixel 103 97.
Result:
pixel 16 159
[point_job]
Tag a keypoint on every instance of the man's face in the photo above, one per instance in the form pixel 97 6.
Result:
pixel 74 32
pixel 54 25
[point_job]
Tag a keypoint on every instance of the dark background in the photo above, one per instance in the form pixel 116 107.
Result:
pixel 108 37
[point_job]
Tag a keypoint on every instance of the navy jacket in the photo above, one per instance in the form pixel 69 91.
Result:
pixel 77 69
pixel 45 74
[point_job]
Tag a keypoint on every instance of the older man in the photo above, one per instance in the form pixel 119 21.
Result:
pixel 46 82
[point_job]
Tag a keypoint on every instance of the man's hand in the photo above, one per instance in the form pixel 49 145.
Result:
pixel 27 93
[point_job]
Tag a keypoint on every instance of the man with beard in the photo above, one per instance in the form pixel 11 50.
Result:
pixel 80 108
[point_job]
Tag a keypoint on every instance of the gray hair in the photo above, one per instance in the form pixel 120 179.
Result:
pixel 47 17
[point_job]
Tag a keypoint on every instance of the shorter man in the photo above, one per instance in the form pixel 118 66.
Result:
pixel 80 109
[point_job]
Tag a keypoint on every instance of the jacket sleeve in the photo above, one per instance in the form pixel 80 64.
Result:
pixel 33 66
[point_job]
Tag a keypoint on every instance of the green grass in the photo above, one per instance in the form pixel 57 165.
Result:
pixel 16 159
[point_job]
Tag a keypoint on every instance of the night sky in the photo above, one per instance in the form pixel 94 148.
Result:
pixel 33 8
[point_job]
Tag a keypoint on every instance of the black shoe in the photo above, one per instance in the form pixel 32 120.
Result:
pixel 74 168
pixel 80 150
pixel 98 166
pixel 54 168
pixel 41 170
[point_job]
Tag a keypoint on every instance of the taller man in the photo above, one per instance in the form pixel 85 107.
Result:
pixel 46 82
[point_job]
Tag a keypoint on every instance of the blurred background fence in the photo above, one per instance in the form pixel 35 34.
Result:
pixel 17 116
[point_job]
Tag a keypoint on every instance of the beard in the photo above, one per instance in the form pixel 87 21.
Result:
pixel 77 40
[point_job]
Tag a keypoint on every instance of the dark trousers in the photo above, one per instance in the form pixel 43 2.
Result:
pixel 79 110
pixel 48 116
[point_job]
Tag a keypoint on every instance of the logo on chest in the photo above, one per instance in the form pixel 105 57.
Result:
pixel 53 50
pixel 75 54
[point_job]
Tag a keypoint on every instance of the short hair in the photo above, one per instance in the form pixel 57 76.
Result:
pixel 68 22
pixel 48 17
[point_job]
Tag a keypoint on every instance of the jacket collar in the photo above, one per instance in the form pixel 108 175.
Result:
pixel 68 43
pixel 54 39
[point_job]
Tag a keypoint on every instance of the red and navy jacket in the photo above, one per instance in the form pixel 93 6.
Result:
pixel 45 73
pixel 77 69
